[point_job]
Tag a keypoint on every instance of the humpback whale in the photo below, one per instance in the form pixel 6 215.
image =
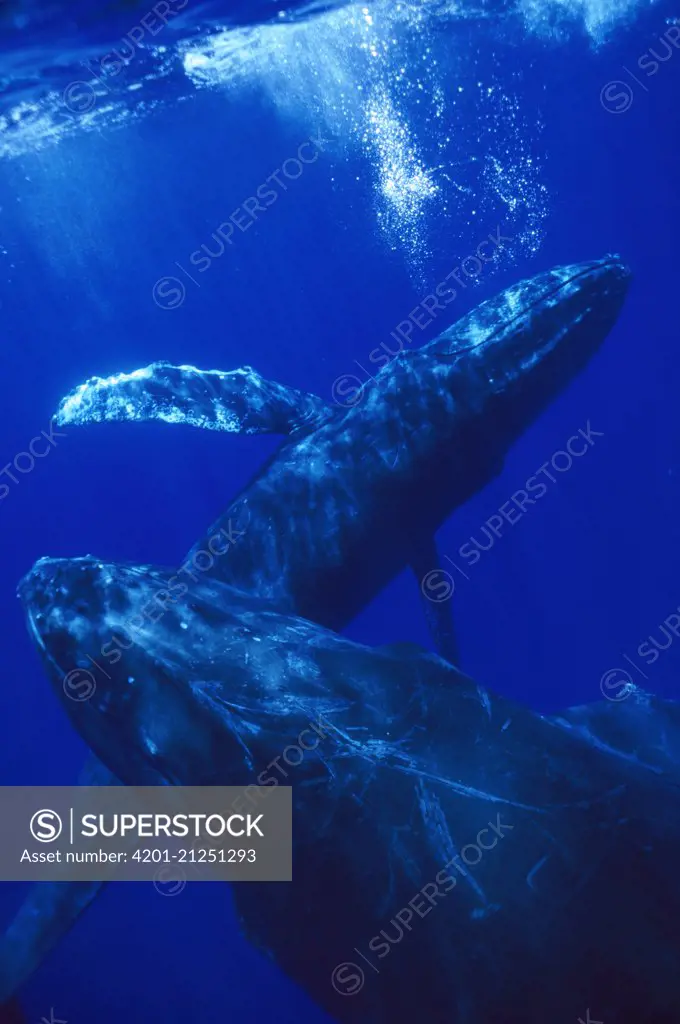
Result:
pixel 457 857
pixel 354 495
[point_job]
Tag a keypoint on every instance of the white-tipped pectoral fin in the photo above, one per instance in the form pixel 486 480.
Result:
pixel 236 401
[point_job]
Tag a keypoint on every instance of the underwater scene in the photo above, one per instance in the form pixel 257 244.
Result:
pixel 341 482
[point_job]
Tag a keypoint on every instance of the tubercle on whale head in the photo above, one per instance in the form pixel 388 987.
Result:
pixel 526 344
pixel 206 689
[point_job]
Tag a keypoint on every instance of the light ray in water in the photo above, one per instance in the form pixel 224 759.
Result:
pixel 365 76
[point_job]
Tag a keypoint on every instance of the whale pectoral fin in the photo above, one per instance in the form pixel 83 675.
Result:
pixel 236 401
pixel 48 912
pixel 436 588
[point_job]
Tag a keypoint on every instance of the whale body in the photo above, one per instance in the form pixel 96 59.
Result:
pixel 354 495
pixel 457 857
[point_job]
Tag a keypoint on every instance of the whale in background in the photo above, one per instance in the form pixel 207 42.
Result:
pixel 457 857
pixel 355 495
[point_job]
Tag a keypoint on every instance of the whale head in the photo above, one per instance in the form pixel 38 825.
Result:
pixel 518 350
pixel 112 666
pixel 200 684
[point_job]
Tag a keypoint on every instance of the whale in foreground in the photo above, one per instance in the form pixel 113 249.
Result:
pixel 457 857
pixel 354 495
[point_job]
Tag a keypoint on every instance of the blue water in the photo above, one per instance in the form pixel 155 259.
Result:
pixel 93 216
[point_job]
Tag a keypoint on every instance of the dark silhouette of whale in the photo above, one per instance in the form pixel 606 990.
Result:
pixel 457 857
pixel 355 495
